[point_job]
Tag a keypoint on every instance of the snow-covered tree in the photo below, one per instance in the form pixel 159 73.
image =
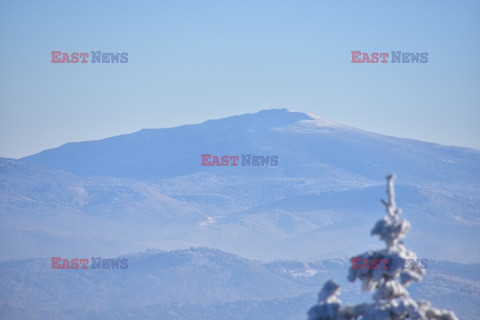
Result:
pixel 388 272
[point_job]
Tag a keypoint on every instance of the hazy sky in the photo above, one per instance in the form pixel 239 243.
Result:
pixel 190 61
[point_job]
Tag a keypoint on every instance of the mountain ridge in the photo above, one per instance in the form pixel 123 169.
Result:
pixel 169 284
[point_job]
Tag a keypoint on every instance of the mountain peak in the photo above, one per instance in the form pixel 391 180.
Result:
pixel 266 119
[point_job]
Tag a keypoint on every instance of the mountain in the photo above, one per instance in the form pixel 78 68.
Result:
pixel 305 144
pixel 149 190
pixel 202 283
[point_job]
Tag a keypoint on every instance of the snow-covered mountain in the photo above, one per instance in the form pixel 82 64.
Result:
pixel 307 146
pixel 148 189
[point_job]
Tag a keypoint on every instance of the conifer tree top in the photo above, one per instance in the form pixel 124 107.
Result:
pixel 391 298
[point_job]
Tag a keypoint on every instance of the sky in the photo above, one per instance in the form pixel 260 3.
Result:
pixel 190 61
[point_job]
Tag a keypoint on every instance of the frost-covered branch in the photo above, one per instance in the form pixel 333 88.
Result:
pixel 391 205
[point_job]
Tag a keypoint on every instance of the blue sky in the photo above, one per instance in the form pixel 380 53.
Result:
pixel 190 61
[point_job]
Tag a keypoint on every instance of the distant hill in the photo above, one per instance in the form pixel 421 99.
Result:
pixel 207 283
